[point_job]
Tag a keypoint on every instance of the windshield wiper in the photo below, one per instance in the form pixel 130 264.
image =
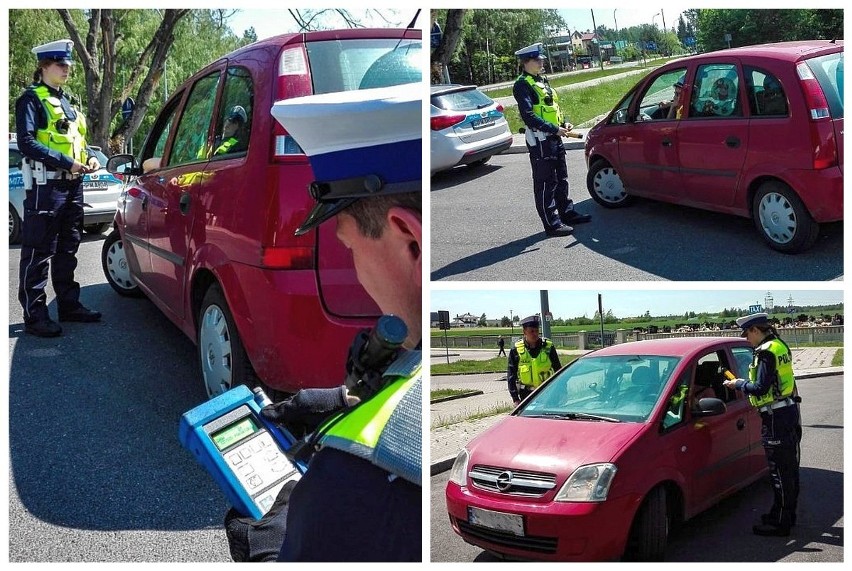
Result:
pixel 573 416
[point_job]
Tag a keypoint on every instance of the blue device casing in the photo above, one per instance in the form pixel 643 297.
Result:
pixel 243 452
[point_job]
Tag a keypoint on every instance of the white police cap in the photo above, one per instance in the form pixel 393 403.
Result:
pixel 531 52
pixel 531 321
pixel 748 321
pixel 58 51
pixel 360 143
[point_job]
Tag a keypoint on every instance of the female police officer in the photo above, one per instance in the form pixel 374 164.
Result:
pixel 51 135
pixel 771 388
pixel 538 106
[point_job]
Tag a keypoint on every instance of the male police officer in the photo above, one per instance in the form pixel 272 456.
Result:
pixel 532 361
pixel 538 105
pixel 360 499
pixel 771 388
pixel 52 137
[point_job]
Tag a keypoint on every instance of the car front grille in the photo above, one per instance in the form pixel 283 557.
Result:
pixel 504 539
pixel 512 482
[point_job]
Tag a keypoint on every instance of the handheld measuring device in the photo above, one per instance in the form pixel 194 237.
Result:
pixel 244 453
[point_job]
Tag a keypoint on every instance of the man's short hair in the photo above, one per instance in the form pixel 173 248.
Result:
pixel 371 213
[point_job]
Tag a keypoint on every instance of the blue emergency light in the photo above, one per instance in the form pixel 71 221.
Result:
pixel 243 452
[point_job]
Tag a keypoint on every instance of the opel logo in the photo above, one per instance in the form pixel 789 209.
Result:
pixel 504 481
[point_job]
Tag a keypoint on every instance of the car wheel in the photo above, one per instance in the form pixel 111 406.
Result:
pixel 650 531
pixel 14 225
pixel 95 228
pixel 605 186
pixel 782 219
pixel 116 269
pixel 224 363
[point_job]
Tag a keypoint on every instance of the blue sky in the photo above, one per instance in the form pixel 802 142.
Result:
pixel 268 23
pixel 581 20
pixel 623 303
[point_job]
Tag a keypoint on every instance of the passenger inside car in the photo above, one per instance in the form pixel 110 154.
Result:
pixel 771 101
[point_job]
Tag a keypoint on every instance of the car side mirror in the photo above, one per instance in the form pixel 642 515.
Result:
pixel 123 164
pixel 620 116
pixel 710 407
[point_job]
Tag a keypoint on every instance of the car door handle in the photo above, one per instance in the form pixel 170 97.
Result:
pixel 740 423
pixel 732 142
pixel 185 200
pixel 667 142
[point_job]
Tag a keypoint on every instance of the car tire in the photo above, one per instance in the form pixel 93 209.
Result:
pixel 14 225
pixel 605 186
pixel 782 219
pixel 96 228
pixel 650 530
pixel 221 354
pixel 116 268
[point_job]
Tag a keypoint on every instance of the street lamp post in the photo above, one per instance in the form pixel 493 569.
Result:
pixel 653 21
pixel 616 29
pixel 512 324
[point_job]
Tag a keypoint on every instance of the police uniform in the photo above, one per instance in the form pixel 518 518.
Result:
pixel 222 145
pixel 771 388
pixel 538 105
pixel 361 497
pixel 51 135
pixel 529 366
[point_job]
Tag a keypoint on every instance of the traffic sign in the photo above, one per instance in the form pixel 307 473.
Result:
pixel 127 108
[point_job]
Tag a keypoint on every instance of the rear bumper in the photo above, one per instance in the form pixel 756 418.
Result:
pixel 473 156
pixel 821 191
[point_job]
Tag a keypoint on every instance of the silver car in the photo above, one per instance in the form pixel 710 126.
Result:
pixel 468 127
pixel 101 190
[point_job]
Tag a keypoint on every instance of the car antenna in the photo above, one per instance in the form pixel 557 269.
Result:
pixel 408 27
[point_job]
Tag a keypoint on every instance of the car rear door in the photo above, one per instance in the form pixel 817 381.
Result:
pixel 712 146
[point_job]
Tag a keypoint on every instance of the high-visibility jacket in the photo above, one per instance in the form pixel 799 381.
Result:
pixel 69 141
pixel 786 382
pixel 548 112
pixel 533 371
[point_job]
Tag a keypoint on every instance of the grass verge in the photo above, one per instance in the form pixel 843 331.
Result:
pixel 837 360
pixel 480 414
pixel 465 366
pixel 443 393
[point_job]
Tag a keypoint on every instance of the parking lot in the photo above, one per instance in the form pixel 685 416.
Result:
pixel 484 227
pixel 96 471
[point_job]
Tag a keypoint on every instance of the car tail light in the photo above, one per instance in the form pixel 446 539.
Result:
pixel 814 97
pixel 499 108
pixel 294 80
pixel 822 140
pixel 288 258
pixel 444 121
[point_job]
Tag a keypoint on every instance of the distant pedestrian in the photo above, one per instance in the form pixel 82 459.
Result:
pixel 538 106
pixel 771 389
pixel 501 343
pixel 532 361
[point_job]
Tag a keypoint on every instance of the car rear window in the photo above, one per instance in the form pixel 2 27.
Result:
pixel 467 100
pixel 828 71
pixel 347 65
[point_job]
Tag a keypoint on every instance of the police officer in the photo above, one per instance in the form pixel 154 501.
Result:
pixel 538 105
pixel 52 137
pixel 771 388
pixel 360 499
pixel 532 361
pixel 229 140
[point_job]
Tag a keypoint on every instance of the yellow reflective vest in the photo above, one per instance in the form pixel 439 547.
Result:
pixel 550 113
pixel 533 371
pixel 386 429
pixel 784 367
pixel 73 141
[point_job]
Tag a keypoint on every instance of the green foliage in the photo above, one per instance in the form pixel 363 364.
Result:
pixel 749 27
pixel 837 360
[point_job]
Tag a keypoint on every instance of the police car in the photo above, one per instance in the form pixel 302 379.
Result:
pixel 100 194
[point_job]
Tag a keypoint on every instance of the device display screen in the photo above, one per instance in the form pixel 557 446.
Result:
pixel 234 433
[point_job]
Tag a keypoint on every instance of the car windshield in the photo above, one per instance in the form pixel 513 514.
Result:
pixel 467 100
pixel 346 65
pixel 828 71
pixel 621 388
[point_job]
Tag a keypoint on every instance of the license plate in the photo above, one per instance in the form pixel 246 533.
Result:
pixel 480 123
pixel 94 186
pixel 500 521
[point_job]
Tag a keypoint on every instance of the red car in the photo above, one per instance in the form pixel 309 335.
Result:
pixel 206 229
pixel 760 135
pixel 600 461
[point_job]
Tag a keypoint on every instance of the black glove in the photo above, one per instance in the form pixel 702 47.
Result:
pixel 303 412
pixel 259 540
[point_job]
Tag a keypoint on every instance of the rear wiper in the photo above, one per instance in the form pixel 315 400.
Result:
pixel 573 416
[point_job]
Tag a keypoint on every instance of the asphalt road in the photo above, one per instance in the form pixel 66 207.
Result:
pixel 96 469
pixel 723 533
pixel 485 227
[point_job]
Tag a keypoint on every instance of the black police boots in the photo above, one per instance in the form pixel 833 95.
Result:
pixel 575 217
pixel 563 230
pixel 44 328
pixel 80 314
pixel 769 519
pixel 771 530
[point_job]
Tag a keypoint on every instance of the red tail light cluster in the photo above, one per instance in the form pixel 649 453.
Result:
pixel 444 121
pixel 822 135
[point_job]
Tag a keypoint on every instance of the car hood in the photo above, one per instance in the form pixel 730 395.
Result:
pixel 551 445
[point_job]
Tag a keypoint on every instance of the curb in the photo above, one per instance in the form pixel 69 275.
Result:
pixel 445 464
pixel 455 397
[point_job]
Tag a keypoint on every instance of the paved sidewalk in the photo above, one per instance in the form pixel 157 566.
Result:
pixel 449 431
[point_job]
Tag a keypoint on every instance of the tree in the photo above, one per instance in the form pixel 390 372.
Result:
pixel 505 322
pixel 452 34
pixel 482 321
pixel 749 27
